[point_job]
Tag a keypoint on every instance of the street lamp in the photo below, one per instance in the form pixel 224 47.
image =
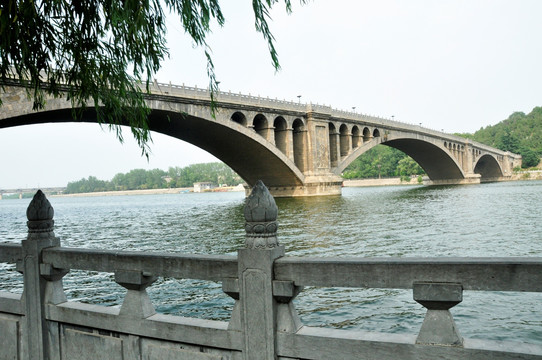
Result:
pixel 353 108
pixel 299 99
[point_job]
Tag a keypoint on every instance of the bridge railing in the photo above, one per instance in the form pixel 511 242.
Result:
pixel 264 324
pixel 228 96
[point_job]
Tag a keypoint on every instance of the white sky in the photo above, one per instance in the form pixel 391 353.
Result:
pixel 453 65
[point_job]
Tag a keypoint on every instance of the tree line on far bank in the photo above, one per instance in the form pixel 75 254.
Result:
pixel 521 134
pixel 140 179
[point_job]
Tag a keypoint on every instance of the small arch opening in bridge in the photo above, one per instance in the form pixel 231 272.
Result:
pixel 299 143
pixel 333 155
pixel 356 137
pixel 376 133
pixel 343 138
pixel 488 168
pixel 366 134
pixel 260 125
pixel 281 133
pixel 239 118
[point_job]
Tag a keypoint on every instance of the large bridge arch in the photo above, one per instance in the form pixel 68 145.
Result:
pixel 237 145
pixel 437 161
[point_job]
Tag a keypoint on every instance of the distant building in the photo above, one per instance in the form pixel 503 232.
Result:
pixel 203 186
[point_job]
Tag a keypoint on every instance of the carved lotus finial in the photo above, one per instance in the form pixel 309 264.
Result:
pixel 40 217
pixel 40 208
pixel 260 205
pixel 261 218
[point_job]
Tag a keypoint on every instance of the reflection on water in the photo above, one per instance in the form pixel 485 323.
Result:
pixel 500 219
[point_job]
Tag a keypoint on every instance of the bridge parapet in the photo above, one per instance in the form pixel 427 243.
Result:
pixel 42 324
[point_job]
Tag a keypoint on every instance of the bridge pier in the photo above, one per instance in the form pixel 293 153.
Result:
pixel 469 179
pixel 313 186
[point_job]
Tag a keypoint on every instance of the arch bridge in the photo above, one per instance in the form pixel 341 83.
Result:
pixel 295 149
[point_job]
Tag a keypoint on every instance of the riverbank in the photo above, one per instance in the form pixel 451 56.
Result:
pixel 380 182
pixel 150 192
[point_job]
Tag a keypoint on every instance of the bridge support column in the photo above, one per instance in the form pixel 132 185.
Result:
pixel 289 133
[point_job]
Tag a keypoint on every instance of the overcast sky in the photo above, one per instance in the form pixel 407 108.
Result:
pixel 454 65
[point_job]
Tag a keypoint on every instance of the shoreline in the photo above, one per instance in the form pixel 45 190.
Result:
pixel 147 192
pixel 396 181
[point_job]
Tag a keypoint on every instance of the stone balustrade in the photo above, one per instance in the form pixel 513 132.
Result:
pixel 42 324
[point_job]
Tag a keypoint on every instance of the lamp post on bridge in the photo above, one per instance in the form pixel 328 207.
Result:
pixel 299 99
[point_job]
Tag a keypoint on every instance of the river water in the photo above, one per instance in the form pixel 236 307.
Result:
pixel 488 220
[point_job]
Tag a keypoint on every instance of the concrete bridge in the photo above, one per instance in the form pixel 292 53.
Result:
pixel 41 324
pixel 20 192
pixel 305 146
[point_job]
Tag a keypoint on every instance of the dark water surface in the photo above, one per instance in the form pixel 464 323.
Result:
pixel 488 220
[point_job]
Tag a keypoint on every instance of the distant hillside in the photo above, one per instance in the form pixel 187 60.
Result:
pixel 520 134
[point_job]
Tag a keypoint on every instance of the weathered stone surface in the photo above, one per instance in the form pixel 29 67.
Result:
pixel 296 149
pixel 80 345
pixel 261 219
pixel 438 326
pixel 9 338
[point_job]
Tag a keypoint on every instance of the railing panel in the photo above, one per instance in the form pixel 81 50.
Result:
pixel 202 267
pixel 486 274
pixel 322 344
pixel 165 327
pixel 11 303
pixel 10 253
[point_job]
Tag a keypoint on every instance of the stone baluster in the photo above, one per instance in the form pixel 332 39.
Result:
pixel 42 282
pixel 257 306
pixel 438 327
pixel 137 303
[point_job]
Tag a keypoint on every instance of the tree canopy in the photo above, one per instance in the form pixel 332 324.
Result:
pixel 140 179
pixel 521 134
pixel 382 161
pixel 104 53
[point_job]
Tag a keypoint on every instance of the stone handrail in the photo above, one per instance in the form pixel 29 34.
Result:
pixel 263 282
pixel 201 267
pixel 10 253
pixel 485 274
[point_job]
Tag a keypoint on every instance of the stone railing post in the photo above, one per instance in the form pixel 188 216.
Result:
pixel 258 307
pixel 438 326
pixel 42 282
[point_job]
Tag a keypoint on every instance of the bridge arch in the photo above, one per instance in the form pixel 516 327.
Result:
pixel 261 125
pixel 437 161
pixel 299 143
pixel 239 118
pixel 281 129
pixel 344 136
pixel 488 167
pixel 333 154
pixel 366 134
pixel 356 137
pixel 230 141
